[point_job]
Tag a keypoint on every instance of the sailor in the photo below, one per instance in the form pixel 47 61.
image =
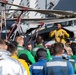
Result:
pixel 58 65
pixel 8 65
pixel 37 68
pixel 60 34
pixel 39 44
pixel 24 53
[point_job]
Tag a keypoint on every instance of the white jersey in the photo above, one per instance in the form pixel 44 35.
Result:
pixel 10 66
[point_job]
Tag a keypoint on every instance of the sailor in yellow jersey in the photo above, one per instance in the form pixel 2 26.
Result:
pixel 60 34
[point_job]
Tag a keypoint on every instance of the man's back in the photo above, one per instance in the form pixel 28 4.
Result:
pixel 38 47
pixel 37 68
pixel 28 54
pixel 23 62
pixel 58 66
pixel 34 50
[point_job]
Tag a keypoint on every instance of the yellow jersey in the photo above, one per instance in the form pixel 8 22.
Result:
pixel 25 65
pixel 60 35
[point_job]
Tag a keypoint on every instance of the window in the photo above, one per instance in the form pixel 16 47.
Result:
pixel 36 13
pixel 36 6
pixel 36 1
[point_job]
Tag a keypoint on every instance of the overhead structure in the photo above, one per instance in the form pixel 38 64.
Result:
pixel 37 21
pixel 44 20
pixel 48 12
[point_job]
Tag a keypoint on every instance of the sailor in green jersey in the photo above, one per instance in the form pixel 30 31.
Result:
pixel 23 52
pixel 39 42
